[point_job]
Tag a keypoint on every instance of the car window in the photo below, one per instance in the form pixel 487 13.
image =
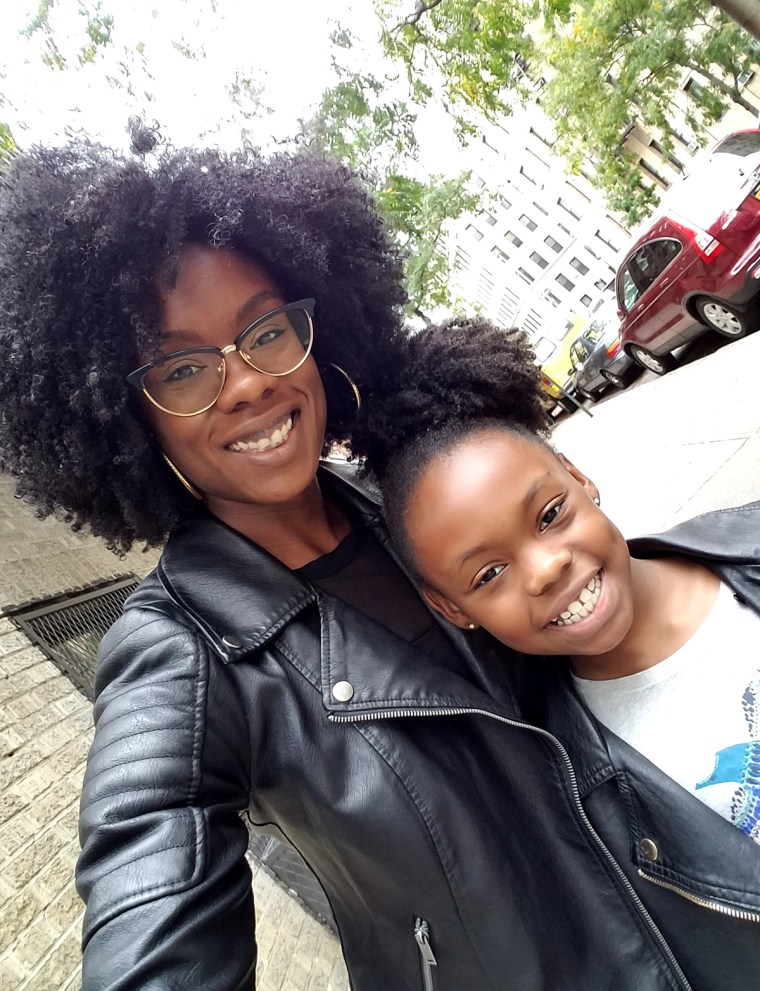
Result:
pixel 578 353
pixel 645 266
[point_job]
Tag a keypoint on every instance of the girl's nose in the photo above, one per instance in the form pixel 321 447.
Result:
pixel 545 565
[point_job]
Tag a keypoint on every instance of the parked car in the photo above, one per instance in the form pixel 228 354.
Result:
pixel 598 358
pixel 556 365
pixel 697 264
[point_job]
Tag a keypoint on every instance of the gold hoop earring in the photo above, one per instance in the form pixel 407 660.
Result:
pixel 188 485
pixel 355 394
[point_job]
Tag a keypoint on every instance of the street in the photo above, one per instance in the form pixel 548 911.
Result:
pixel 670 448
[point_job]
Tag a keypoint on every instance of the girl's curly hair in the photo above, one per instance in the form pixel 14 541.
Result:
pixel 445 383
pixel 89 236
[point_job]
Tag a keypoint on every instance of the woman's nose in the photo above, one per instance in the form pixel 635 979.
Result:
pixel 545 565
pixel 243 384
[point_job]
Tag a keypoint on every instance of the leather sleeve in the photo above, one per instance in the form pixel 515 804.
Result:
pixel 163 869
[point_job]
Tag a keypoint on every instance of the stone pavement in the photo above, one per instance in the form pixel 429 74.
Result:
pixel 45 733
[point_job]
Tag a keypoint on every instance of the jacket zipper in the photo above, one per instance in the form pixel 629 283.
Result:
pixel 453 711
pixel 422 936
pixel 735 913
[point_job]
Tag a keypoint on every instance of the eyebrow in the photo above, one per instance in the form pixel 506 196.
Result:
pixel 525 504
pixel 245 311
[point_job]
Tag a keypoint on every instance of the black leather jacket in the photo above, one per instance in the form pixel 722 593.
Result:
pixel 459 846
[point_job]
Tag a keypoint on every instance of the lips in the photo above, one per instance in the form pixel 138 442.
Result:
pixel 264 440
pixel 582 607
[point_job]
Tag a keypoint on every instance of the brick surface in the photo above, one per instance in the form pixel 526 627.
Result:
pixel 45 733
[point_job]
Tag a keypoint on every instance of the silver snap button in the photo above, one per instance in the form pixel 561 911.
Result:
pixel 648 849
pixel 232 642
pixel 343 691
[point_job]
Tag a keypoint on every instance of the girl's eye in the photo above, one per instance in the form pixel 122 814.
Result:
pixel 550 516
pixel 490 574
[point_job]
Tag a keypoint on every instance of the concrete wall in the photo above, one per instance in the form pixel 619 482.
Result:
pixel 45 733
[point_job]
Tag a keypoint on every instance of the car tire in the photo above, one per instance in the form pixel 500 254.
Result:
pixel 722 318
pixel 619 381
pixel 660 364
pixel 585 397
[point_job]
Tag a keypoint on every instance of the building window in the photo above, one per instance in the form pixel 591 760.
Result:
pixel 577 191
pixel 745 77
pixel 653 173
pixel 665 155
pixel 489 218
pixel 551 298
pixel 525 275
pixel 541 262
pixel 565 229
pixel 579 266
pixel 586 300
pixel 695 89
pixel 530 224
pixel 480 183
pixel 541 138
pixel 566 206
pixel 462 260
pixel 690 144
pixel 600 284
pixel 540 208
pixel 565 282
pixel 553 244
pixel 525 175
pixel 506 205
pixel 514 239
pixel 488 144
pixel 605 240
pixel 591 252
pixel 475 232
pixel 501 255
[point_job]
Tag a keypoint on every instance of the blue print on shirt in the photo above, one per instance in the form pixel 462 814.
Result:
pixel 740 763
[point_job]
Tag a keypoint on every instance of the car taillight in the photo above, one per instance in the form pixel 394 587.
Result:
pixel 613 349
pixel 707 247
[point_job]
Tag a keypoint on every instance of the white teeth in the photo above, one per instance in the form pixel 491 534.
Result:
pixel 581 607
pixel 278 436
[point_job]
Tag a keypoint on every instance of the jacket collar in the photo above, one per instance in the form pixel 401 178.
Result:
pixel 240 598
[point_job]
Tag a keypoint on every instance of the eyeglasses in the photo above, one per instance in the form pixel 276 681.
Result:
pixel 188 382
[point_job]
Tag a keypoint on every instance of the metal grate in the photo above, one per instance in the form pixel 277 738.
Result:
pixel 69 627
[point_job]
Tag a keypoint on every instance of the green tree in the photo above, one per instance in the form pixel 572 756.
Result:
pixel 609 63
pixel 360 122
pixel 621 62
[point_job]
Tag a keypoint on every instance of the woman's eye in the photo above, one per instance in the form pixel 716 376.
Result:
pixel 264 337
pixel 550 516
pixel 490 574
pixel 181 373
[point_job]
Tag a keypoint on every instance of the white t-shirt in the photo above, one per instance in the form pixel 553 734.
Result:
pixel 696 715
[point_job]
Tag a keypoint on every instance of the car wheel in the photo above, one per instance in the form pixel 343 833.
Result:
pixel 724 318
pixel 619 381
pixel 586 397
pixel 660 364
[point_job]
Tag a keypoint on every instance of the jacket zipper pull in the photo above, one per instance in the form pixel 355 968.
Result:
pixel 422 935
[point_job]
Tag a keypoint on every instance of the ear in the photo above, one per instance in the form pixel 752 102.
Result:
pixel 586 484
pixel 447 609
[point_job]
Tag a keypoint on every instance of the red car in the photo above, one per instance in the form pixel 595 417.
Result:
pixel 697 266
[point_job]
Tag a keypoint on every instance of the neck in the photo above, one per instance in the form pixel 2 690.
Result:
pixel 296 532
pixel 671 599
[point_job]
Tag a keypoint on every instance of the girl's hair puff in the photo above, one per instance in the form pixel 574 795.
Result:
pixel 449 381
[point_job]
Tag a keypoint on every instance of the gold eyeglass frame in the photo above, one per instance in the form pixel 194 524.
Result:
pixel 137 378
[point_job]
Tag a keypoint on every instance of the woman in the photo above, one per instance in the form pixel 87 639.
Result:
pixel 278 662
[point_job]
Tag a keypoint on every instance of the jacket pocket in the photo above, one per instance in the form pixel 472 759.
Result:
pixel 427 957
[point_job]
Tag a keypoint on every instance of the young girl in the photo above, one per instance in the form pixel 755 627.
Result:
pixel 507 535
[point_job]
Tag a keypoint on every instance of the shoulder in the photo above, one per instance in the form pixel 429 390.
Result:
pixel 731 534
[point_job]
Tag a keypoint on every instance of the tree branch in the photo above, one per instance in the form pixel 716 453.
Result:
pixel 419 11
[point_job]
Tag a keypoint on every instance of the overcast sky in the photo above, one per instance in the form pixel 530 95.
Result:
pixel 284 45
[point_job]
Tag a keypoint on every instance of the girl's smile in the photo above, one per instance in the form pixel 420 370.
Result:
pixel 507 536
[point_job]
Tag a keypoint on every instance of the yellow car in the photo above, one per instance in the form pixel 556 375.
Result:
pixel 556 364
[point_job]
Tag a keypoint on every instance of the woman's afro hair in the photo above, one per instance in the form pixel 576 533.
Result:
pixel 89 236
pixel 448 381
